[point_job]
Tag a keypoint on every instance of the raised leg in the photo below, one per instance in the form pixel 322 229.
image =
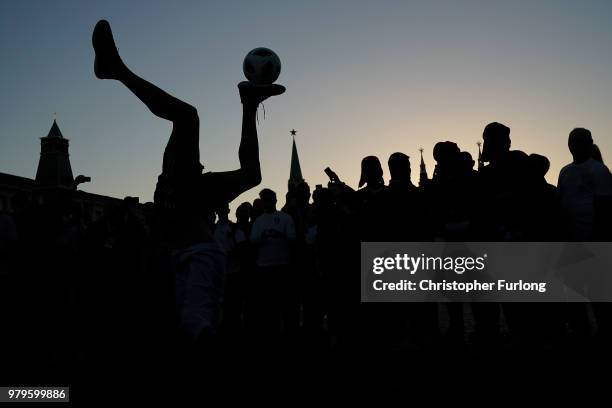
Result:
pixel 108 65
pixel 182 154
pixel 248 175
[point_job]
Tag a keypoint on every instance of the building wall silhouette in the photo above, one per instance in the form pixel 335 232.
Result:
pixel 54 181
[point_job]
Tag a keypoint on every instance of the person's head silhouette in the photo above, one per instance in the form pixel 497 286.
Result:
pixel 446 156
pixel 243 212
pixel 580 143
pixel 322 197
pixel 538 166
pixel 223 212
pixel 496 142
pixel 256 209
pixel 445 152
pixel 371 172
pixel 268 200
pixel 290 197
pixel 465 162
pixel 518 165
pixel 399 167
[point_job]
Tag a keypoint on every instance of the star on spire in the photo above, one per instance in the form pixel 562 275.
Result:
pixel 295 171
pixel 423 179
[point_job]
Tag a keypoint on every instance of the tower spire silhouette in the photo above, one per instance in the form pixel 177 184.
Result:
pixel 295 171
pixel 54 168
pixel 423 173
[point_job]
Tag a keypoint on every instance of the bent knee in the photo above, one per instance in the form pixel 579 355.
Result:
pixel 186 113
pixel 190 112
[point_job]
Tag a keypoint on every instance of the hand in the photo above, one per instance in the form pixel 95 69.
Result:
pixel 255 94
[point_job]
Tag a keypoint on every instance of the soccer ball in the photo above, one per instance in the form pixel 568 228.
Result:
pixel 261 66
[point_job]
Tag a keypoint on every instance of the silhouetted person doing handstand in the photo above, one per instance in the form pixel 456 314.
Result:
pixel 186 198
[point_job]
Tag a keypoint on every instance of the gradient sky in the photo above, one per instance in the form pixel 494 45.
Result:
pixel 362 78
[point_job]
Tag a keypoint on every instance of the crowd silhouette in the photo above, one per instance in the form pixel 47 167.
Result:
pixel 176 280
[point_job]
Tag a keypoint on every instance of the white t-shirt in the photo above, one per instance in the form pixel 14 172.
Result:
pixel 578 186
pixel 272 233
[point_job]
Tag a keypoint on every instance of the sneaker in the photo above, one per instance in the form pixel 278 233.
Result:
pixel 107 63
pixel 256 94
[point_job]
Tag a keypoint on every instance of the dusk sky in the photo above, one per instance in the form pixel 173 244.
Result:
pixel 362 78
